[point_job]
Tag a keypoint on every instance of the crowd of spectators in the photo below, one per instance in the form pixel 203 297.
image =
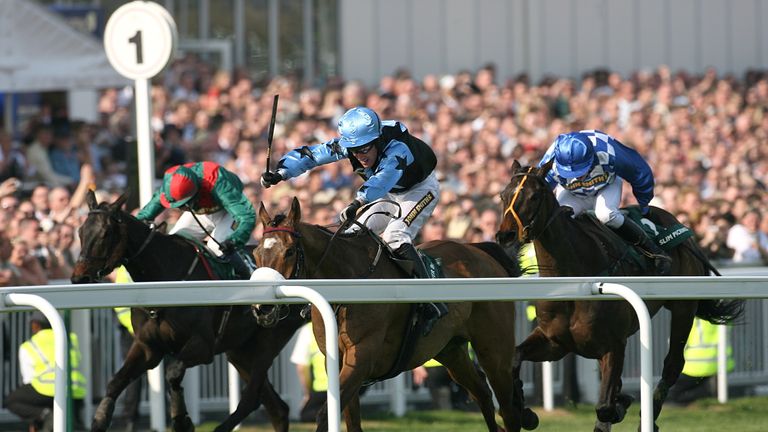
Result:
pixel 705 137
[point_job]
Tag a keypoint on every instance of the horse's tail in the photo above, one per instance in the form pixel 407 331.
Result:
pixel 720 311
pixel 512 266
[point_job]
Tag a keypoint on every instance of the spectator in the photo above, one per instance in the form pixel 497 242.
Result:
pixel 698 377
pixel 40 166
pixel 31 272
pixel 33 401
pixel 9 273
pixel 445 393
pixel 749 244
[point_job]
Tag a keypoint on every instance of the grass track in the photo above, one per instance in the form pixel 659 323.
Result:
pixel 742 415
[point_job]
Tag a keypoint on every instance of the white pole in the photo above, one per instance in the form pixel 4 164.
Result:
pixel 234 389
pixel 397 400
pixel 146 152
pixel 60 356
pixel 646 349
pixel 146 159
pixel 331 346
pixel 547 395
pixel 722 364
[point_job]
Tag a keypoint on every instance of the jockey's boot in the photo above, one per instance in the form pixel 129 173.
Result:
pixel 634 234
pixel 242 268
pixel 430 311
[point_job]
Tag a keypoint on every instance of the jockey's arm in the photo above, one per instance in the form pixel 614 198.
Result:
pixel 229 192
pixel 634 169
pixel 303 159
pixel 549 178
pixel 152 209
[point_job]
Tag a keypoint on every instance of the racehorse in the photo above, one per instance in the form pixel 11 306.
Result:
pixel 370 335
pixel 598 329
pixel 189 335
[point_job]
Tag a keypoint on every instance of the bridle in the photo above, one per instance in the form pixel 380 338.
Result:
pixel 300 263
pixel 111 261
pixel 525 232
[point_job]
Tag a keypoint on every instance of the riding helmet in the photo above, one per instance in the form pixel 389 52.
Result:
pixel 358 127
pixel 179 186
pixel 574 155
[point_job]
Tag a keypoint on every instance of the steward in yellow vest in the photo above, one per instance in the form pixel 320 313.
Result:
pixel 697 380
pixel 33 401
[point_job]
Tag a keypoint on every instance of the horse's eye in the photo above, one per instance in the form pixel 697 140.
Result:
pixel 290 252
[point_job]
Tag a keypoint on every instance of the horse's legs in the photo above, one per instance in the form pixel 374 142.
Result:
pixel 352 415
pixel 682 313
pixel 351 378
pixel 138 360
pixel 607 409
pixel 174 374
pixel 537 347
pixel 456 359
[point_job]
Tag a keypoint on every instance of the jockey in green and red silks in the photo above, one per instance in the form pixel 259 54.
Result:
pixel 215 196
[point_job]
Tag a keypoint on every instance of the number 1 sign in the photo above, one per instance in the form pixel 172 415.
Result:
pixel 140 39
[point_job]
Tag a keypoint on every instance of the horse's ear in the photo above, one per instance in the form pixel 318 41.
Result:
pixel 515 166
pixel 90 199
pixel 264 215
pixel 118 204
pixel 294 215
pixel 541 172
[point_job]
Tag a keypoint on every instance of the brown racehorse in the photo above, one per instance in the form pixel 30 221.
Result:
pixel 370 335
pixel 189 336
pixel 597 329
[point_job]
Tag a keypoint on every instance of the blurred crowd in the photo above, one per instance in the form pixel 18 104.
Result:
pixel 705 137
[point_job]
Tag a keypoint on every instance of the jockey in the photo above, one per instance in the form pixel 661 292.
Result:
pixel 395 165
pixel 584 175
pixel 214 205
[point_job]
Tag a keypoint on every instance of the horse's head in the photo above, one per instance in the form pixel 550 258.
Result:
pixel 527 203
pixel 279 247
pixel 103 237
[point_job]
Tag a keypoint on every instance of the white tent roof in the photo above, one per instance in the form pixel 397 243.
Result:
pixel 41 52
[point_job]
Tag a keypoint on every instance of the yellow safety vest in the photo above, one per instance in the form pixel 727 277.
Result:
pixel 528 261
pixel 317 368
pixel 434 363
pixel 124 313
pixel 40 348
pixel 701 350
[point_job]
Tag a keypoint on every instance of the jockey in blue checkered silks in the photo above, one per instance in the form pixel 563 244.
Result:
pixel 395 166
pixel 586 175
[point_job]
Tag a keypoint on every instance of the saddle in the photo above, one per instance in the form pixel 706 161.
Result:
pixel 217 267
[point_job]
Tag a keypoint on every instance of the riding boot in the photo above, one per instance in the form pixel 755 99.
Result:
pixel 634 234
pixel 431 311
pixel 239 264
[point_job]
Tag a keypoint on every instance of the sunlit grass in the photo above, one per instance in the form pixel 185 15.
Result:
pixel 743 415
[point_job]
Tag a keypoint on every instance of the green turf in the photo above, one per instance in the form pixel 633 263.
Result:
pixel 742 415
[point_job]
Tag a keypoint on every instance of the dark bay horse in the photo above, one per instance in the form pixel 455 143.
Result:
pixel 189 335
pixel 598 329
pixel 370 335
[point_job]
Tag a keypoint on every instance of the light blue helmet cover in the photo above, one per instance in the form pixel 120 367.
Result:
pixel 574 154
pixel 358 127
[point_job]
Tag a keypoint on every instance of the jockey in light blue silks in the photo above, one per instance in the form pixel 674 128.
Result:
pixel 395 165
pixel 586 175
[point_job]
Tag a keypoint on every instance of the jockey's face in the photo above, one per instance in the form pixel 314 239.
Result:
pixel 366 155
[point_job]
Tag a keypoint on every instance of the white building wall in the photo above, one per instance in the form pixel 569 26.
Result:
pixel 540 37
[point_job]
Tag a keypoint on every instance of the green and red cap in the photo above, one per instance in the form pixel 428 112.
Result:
pixel 179 186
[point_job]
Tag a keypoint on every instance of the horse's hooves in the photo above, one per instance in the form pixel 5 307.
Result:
pixel 529 420
pixel 183 424
pixel 624 400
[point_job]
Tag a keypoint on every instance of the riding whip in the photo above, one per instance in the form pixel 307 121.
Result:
pixel 271 130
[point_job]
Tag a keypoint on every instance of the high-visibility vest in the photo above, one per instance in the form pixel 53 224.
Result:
pixel 434 363
pixel 701 350
pixel 40 348
pixel 317 368
pixel 528 261
pixel 124 313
